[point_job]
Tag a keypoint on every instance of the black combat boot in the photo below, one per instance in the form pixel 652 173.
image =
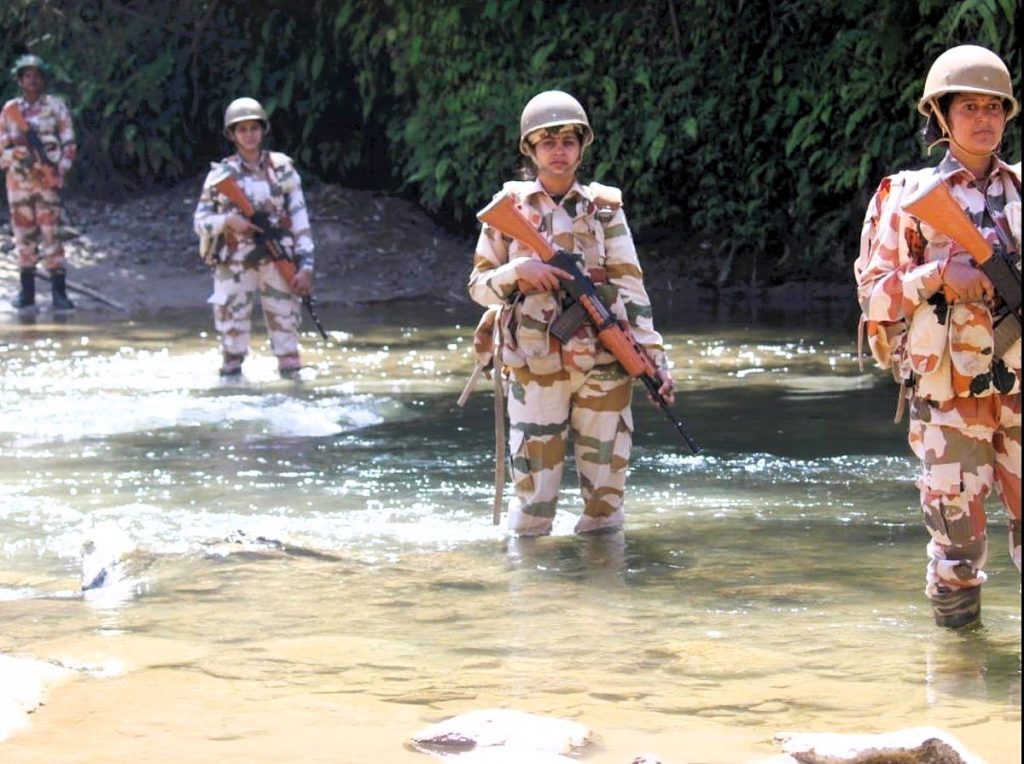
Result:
pixel 957 607
pixel 27 296
pixel 58 281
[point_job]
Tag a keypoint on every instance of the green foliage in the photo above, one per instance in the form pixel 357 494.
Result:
pixel 761 128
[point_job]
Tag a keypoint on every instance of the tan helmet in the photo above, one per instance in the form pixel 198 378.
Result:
pixel 967 69
pixel 27 60
pixel 550 108
pixel 242 109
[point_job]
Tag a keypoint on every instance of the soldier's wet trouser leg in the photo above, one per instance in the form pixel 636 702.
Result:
pixel 541 410
pixel 602 430
pixel 538 412
pixel 232 301
pixel 966 446
pixel 282 310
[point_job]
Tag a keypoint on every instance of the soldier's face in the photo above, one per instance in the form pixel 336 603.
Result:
pixel 977 121
pixel 248 134
pixel 31 81
pixel 557 155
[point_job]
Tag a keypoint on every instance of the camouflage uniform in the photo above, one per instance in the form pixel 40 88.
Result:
pixel 579 386
pixel 241 268
pixel 965 416
pixel 32 190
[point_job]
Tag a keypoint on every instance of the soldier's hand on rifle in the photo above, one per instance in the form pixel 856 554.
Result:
pixel 538 276
pixel 667 388
pixel 241 225
pixel 967 282
pixel 302 282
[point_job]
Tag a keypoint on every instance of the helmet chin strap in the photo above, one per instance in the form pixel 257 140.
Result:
pixel 947 134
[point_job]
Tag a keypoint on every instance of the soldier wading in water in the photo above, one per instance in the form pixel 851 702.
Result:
pixel 35 177
pixel 576 386
pixel 242 265
pixel 929 314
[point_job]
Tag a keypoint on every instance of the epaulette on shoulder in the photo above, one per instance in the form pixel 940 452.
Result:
pixel 605 196
pixel 516 188
pixel 280 160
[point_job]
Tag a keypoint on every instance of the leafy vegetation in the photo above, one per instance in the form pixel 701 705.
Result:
pixel 757 129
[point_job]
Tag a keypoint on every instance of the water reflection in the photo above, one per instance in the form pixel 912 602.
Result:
pixel 331 538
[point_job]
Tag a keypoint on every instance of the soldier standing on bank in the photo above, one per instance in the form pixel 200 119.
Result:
pixel 577 386
pixel 930 312
pixel 228 242
pixel 38 149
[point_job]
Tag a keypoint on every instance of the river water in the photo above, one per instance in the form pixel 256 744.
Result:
pixel 772 583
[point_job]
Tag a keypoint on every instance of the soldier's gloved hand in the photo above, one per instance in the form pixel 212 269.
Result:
pixel 967 282
pixel 302 282
pixel 538 276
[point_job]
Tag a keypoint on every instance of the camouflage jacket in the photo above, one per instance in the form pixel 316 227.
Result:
pixel 590 223
pixel 50 118
pixel 273 186
pixel 944 350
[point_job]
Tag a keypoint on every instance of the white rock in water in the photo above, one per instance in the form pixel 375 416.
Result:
pixel 918 745
pixel 104 552
pixel 496 727
pixel 503 755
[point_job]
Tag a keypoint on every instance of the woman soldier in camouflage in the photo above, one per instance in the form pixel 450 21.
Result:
pixel 929 313
pixel 35 176
pixel 556 388
pixel 241 264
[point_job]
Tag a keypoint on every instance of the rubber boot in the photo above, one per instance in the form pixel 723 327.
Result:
pixel 957 607
pixel 58 283
pixel 232 364
pixel 289 366
pixel 26 298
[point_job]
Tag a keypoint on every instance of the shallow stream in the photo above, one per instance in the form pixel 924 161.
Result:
pixel 310 573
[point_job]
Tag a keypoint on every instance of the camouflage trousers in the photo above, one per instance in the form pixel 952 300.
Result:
pixel 966 446
pixel 543 409
pixel 35 216
pixel 233 296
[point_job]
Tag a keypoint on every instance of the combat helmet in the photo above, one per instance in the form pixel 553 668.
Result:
pixel 967 69
pixel 242 109
pixel 551 108
pixel 27 60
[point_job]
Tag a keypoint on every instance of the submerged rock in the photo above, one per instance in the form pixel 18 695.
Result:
pixel 500 728
pixel 918 745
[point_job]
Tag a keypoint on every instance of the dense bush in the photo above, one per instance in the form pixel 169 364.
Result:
pixel 755 128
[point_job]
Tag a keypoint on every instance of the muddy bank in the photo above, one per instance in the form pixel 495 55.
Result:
pixel 371 249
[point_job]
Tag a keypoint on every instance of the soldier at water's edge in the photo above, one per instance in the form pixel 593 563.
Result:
pixel 37 150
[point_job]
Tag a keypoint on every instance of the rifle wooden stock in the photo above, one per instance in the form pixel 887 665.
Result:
pixel 284 264
pixel 504 215
pixel 935 205
pixel 229 187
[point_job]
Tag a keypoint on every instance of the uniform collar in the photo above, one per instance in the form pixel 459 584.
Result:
pixel 951 169
pixel 535 187
pixel 258 166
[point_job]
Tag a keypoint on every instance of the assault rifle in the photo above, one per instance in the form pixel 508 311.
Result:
pixel 35 143
pixel 585 305
pixel 935 205
pixel 269 238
